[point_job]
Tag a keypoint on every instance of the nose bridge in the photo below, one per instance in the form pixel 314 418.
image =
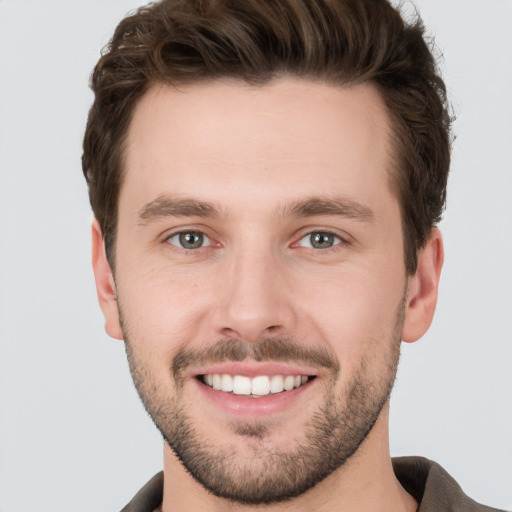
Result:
pixel 255 302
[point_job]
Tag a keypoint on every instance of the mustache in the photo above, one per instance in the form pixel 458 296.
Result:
pixel 273 349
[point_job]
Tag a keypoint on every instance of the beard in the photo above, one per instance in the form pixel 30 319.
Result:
pixel 330 437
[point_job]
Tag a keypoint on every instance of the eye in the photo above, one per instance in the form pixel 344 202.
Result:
pixel 189 240
pixel 320 240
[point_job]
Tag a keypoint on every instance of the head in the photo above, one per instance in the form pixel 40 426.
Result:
pixel 266 178
pixel 335 42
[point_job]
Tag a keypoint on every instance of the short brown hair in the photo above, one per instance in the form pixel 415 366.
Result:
pixel 335 41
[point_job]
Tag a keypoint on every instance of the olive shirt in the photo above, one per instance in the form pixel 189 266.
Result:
pixel 432 487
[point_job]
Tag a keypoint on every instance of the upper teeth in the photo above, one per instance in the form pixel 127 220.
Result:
pixel 257 386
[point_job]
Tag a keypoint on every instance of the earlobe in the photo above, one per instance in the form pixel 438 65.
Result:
pixel 422 289
pixel 105 284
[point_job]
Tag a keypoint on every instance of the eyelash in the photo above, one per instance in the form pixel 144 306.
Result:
pixel 337 240
pixel 188 232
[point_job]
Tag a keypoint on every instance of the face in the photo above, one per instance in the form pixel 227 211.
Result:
pixel 260 278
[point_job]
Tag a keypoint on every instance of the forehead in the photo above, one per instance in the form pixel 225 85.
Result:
pixel 226 139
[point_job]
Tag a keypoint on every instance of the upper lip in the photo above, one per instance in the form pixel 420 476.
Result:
pixel 253 369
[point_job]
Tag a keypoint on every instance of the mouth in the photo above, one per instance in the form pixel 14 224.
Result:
pixel 254 387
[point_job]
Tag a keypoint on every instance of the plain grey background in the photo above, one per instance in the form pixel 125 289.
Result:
pixel 72 432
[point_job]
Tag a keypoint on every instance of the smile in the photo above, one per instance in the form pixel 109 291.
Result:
pixel 259 386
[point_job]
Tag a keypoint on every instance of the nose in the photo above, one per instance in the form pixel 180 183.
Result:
pixel 255 300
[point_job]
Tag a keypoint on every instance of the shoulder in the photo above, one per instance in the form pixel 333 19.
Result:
pixel 433 488
pixel 149 498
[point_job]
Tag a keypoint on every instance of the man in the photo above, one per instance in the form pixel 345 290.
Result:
pixel 266 179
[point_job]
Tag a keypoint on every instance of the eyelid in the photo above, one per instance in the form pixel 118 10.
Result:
pixel 206 240
pixel 343 239
pixel 169 234
pixel 336 239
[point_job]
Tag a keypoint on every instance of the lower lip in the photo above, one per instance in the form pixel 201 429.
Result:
pixel 250 407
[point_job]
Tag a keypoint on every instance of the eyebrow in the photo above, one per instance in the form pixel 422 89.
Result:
pixel 311 207
pixel 166 206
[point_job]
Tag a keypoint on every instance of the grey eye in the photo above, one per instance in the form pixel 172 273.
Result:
pixel 189 240
pixel 320 240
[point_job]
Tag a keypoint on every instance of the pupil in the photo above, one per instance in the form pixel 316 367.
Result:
pixel 191 240
pixel 322 240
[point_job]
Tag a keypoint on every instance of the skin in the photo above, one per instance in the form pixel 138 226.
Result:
pixel 253 153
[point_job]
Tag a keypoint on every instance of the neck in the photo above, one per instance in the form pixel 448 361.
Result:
pixel 366 482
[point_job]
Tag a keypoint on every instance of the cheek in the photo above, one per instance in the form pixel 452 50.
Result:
pixel 355 312
pixel 165 308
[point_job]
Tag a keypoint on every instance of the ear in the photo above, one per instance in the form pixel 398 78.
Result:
pixel 422 289
pixel 105 285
